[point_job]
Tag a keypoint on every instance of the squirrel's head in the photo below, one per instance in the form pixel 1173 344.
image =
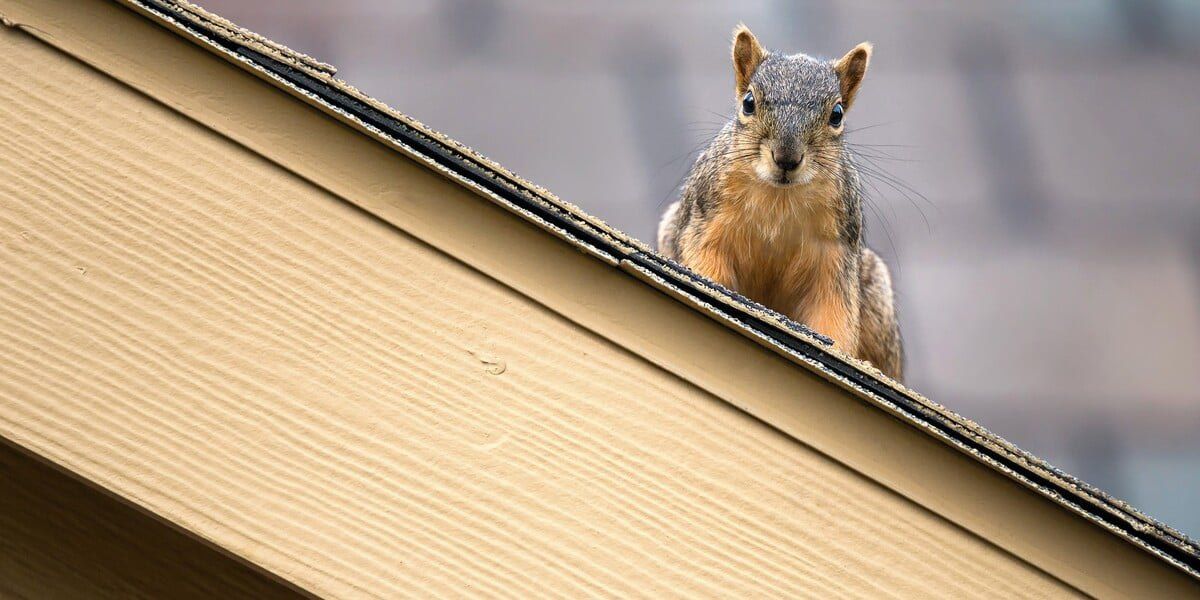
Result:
pixel 791 110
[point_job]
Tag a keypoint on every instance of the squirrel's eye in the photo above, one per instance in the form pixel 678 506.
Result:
pixel 748 103
pixel 835 117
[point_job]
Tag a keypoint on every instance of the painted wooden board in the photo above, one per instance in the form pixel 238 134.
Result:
pixel 246 355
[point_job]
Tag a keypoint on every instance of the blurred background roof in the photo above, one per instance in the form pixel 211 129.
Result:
pixel 1041 212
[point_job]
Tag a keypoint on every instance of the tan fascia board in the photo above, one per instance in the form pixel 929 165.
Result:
pixel 593 236
pixel 910 460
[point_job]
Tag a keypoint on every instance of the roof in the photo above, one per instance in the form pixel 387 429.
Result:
pixel 317 84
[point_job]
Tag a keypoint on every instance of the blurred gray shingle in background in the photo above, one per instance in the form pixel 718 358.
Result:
pixel 1048 271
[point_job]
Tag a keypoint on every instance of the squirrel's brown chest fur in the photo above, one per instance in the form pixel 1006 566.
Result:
pixel 781 247
pixel 773 206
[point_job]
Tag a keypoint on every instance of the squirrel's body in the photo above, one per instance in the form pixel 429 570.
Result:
pixel 773 207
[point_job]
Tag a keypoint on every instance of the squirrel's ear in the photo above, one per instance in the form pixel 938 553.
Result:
pixel 851 69
pixel 747 54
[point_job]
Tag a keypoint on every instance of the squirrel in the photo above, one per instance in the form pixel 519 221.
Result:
pixel 772 209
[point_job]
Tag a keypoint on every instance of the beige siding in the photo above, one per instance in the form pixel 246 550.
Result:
pixel 231 347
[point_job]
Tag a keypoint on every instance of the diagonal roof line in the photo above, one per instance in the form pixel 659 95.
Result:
pixel 316 81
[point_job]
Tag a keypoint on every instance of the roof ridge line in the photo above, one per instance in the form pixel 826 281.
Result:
pixel 234 31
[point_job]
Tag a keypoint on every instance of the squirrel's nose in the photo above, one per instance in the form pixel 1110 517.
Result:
pixel 787 161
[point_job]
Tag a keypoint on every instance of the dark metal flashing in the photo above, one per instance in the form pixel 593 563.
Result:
pixel 315 81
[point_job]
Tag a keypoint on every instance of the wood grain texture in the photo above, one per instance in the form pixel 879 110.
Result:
pixel 240 352
pixel 353 165
pixel 62 538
